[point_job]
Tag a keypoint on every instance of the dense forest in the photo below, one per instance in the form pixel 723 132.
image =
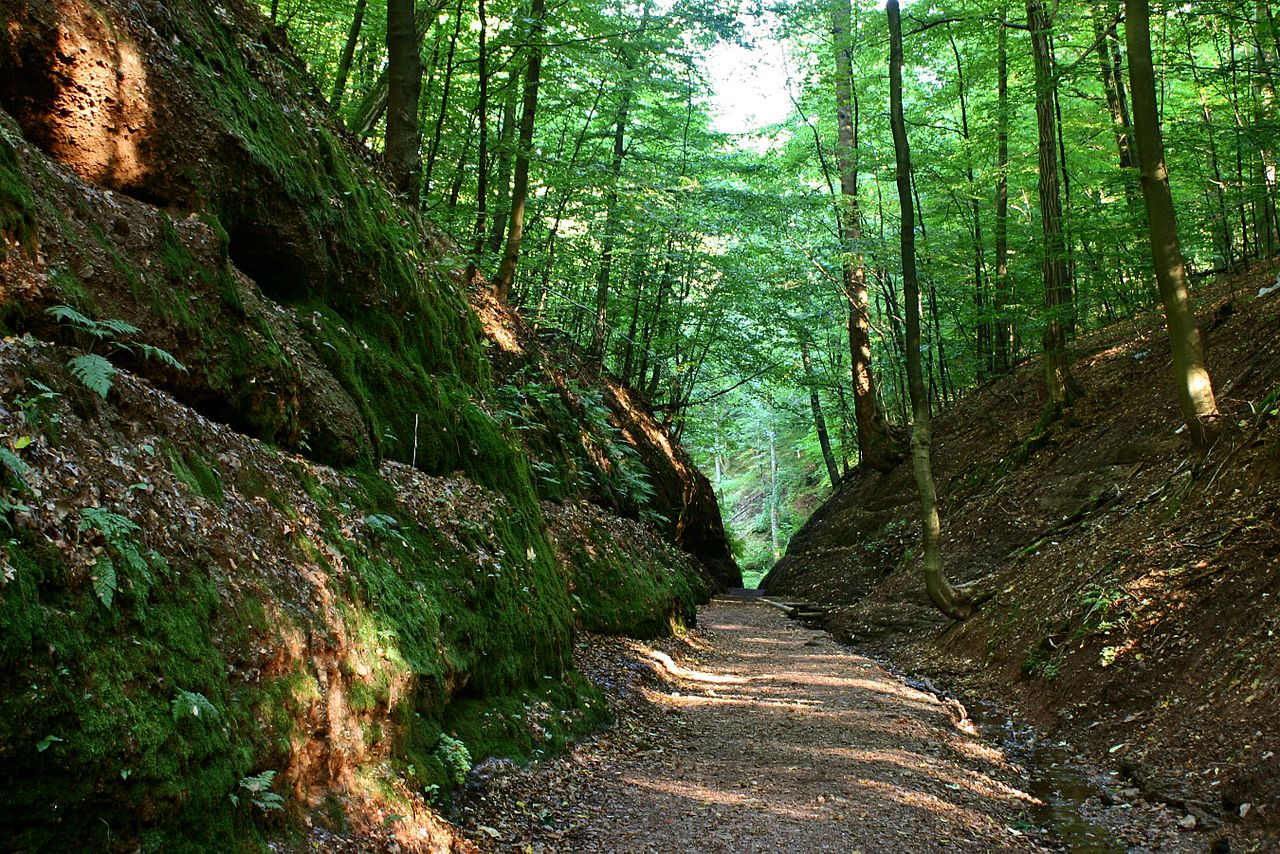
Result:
pixel 352 348
pixel 743 280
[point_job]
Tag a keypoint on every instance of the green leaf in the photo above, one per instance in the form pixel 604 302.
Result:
pixel 16 467
pixel 162 356
pixel 119 327
pixel 94 371
pixel 104 580
pixel 196 705
pixel 67 314
pixel 48 741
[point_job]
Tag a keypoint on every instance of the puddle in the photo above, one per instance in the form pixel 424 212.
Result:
pixel 1057 780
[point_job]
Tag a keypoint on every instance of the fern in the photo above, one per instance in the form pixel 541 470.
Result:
pixel 67 314
pixel 104 580
pixel 195 704
pixel 162 356
pixel 94 371
pixel 17 468
pixel 258 786
pixel 120 534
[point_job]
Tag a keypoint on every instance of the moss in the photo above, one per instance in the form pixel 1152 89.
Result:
pixel 200 476
pixel 17 203
pixel 636 585
pixel 129 763
pixel 531 723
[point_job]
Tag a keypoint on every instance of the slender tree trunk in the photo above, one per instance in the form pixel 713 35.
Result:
pixel 344 61
pixel 404 85
pixel 985 330
pixel 446 88
pixel 482 156
pixel 506 275
pixel 1110 63
pixel 774 537
pixel 876 447
pixel 1218 193
pixel 1195 389
pixel 1060 386
pixel 502 174
pixel 946 598
pixel 819 422
pixel 1002 356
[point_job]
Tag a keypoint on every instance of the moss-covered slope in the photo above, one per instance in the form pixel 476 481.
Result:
pixel 302 563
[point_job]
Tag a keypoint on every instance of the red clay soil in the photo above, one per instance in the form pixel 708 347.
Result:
pixel 756 734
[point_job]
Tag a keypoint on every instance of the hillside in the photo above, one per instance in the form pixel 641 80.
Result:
pixel 286 547
pixel 1136 581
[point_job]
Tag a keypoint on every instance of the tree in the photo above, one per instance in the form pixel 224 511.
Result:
pixel 1195 388
pixel 948 599
pixel 876 447
pixel 1061 387
pixel 404 85
pixel 505 277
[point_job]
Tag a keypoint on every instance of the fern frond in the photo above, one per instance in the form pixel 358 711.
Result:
pixel 162 356
pixel 67 314
pixel 104 580
pixel 94 371
pixel 118 327
pixel 193 703
pixel 113 526
pixel 16 467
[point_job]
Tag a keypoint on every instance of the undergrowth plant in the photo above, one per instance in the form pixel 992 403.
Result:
pixel 94 369
pixel 120 534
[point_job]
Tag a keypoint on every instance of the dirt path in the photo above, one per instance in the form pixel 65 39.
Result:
pixel 754 734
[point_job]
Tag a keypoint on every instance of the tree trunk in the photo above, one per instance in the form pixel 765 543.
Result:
pixel 819 422
pixel 1110 63
pixel 482 165
pixel 1060 387
pixel 404 84
pixel 1195 389
pixel 773 497
pixel 946 598
pixel 344 61
pixel 1001 298
pixel 446 87
pixel 876 447
pixel 506 275
pixel 502 174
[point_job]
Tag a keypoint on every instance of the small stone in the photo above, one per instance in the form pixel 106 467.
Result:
pixel 1244 809
pixel 1187 822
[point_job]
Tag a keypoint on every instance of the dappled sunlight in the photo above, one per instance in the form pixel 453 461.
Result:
pixel 668 665
pixel 497 324
pixel 84 98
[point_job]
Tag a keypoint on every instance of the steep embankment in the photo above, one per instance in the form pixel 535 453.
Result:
pixel 1138 583
pixel 312 544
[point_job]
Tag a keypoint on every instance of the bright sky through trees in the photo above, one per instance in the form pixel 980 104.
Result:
pixel 749 84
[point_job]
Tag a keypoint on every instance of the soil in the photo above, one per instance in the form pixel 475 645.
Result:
pixel 756 733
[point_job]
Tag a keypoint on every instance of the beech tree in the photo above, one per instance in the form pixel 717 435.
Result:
pixel 944 596
pixel 404 84
pixel 1191 376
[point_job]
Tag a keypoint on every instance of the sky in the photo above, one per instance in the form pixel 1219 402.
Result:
pixel 749 84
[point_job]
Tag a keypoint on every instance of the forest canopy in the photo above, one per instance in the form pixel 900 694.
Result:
pixel 750 284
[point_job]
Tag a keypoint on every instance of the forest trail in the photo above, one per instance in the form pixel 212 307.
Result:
pixel 758 735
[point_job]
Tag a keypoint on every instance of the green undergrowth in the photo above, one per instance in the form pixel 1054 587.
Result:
pixel 96 715
pixel 17 204
pixel 634 584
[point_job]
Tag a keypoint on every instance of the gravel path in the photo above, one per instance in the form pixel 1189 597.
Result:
pixel 755 734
